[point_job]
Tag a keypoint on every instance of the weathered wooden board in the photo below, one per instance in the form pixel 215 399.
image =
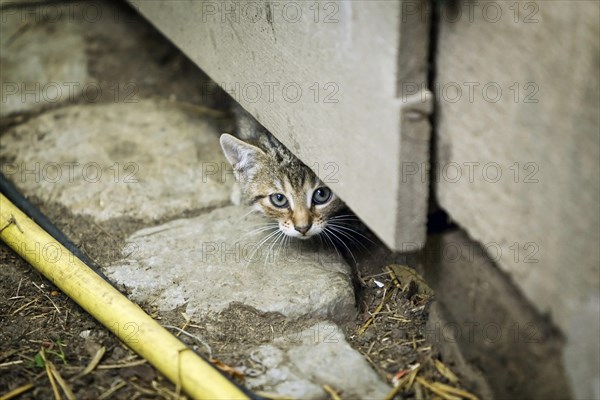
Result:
pixel 518 147
pixel 328 79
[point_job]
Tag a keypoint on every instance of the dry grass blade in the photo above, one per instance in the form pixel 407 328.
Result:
pixel 17 392
pixel 197 338
pixel 187 320
pixel 401 319
pixel 412 376
pixel 116 366
pixel 141 389
pixel 333 395
pixel 166 393
pixel 18 310
pixel 418 389
pixel 272 396
pixel 403 277
pixel 385 299
pixel 48 297
pixel 10 363
pixel 405 383
pixel 5 354
pixel 61 382
pixel 435 389
pixel 113 389
pixel 445 371
pixel 50 376
pixel 93 363
pixel 456 391
pixel 393 277
pixel 393 392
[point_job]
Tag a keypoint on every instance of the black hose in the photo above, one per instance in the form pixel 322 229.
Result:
pixel 13 194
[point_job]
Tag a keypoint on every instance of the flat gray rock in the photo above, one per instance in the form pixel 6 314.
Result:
pixel 299 364
pixel 42 58
pixel 146 160
pixel 208 262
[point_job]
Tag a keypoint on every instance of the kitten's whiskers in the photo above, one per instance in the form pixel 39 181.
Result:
pixel 277 238
pixel 326 236
pixel 261 229
pixel 260 244
pixel 331 231
pixel 346 235
pixel 347 217
pixel 348 228
pixel 245 215
pixel 285 241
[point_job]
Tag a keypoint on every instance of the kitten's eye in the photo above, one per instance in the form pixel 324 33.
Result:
pixel 278 200
pixel 321 195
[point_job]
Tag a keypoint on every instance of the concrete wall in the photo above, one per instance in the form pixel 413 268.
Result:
pixel 497 342
pixel 518 153
pixel 307 71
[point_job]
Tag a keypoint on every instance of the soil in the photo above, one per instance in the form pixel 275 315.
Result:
pixel 36 316
pixel 37 319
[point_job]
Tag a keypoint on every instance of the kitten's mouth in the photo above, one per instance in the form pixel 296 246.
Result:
pixel 296 234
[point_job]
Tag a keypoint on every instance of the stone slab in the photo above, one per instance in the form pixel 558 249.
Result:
pixel 300 363
pixel 146 160
pixel 208 262
pixel 43 59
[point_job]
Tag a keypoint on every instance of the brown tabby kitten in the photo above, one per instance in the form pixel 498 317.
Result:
pixel 274 182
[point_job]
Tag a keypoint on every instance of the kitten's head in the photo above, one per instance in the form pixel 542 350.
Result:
pixel 277 184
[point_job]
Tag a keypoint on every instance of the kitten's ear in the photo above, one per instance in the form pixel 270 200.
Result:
pixel 242 156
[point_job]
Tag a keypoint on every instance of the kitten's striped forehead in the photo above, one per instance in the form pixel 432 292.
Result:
pixel 281 185
pixel 300 177
pixel 299 187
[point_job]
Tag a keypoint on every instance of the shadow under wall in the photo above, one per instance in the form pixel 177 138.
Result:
pixel 485 328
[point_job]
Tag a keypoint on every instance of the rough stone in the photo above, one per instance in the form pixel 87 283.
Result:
pixel 42 58
pixel 58 53
pixel 210 261
pixel 298 364
pixel 145 160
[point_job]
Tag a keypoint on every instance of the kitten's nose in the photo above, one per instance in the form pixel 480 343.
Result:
pixel 302 229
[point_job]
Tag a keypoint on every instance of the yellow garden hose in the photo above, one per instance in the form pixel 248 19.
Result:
pixel 122 317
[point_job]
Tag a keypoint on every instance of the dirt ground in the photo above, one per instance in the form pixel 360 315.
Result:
pixel 36 317
pixel 41 328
